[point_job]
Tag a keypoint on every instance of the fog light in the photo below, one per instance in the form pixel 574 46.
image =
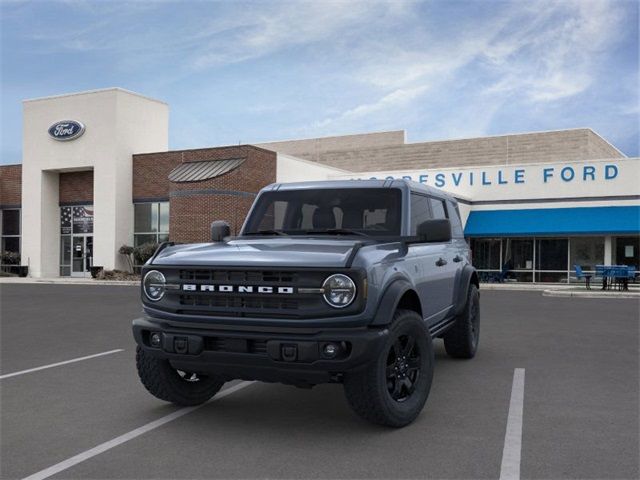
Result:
pixel 155 339
pixel 330 350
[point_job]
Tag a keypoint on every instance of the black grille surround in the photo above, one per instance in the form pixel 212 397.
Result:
pixel 309 303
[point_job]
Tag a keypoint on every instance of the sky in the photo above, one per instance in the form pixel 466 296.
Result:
pixel 249 72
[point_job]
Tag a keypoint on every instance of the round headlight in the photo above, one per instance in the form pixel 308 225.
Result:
pixel 153 285
pixel 339 290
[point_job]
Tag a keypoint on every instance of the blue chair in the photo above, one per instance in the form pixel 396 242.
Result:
pixel 580 275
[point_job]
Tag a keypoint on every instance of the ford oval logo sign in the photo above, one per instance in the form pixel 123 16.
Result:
pixel 66 130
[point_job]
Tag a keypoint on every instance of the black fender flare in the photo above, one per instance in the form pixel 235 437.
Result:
pixel 390 300
pixel 467 277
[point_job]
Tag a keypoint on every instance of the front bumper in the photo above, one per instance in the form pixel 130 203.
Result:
pixel 285 355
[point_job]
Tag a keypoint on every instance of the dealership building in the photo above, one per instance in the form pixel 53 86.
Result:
pixel 96 174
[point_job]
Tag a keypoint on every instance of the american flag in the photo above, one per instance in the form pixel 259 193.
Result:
pixel 65 220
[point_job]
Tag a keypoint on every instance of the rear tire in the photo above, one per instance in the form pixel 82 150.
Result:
pixel 393 389
pixel 166 383
pixel 461 341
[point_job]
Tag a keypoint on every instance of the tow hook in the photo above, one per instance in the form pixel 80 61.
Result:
pixel 289 353
pixel 181 344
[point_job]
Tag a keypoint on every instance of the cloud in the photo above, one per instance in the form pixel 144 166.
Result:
pixel 535 53
pixel 558 58
pixel 270 27
pixel 397 98
pixel 288 68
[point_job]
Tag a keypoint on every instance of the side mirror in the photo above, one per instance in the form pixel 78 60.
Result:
pixel 219 230
pixel 436 230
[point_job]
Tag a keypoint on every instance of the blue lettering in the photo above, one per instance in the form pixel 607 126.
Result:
pixel 389 178
pixel 372 178
pixel 471 178
pixel 589 171
pixel 548 173
pixel 501 180
pixel 406 177
pixel 484 179
pixel 456 180
pixel 440 180
pixel 614 172
pixel 569 177
pixel 423 178
pixel 519 175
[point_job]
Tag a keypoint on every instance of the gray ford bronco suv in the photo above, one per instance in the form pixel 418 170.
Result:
pixel 328 282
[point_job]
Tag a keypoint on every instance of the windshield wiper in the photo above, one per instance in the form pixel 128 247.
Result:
pixel 267 232
pixel 336 231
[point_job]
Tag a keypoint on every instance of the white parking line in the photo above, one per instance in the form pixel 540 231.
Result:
pixel 51 365
pixel 103 447
pixel 510 468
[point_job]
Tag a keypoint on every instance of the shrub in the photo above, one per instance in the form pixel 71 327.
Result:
pixel 116 275
pixel 144 252
pixel 9 258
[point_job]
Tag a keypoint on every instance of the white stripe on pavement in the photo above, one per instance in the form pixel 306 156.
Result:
pixel 103 447
pixel 510 468
pixel 51 365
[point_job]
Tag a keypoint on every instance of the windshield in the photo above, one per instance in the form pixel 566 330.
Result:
pixel 347 211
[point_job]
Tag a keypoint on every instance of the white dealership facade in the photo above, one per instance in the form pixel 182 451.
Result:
pixel 534 204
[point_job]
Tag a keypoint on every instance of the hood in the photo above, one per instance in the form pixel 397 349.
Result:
pixel 271 252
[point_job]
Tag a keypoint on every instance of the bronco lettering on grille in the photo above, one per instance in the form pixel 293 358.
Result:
pixel 192 287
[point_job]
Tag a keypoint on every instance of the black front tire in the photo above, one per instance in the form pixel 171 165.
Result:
pixel 461 341
pixel 166 383
pixel 393 389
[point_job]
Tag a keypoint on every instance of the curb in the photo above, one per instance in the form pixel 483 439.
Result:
pixel 117 283
pixel 587 294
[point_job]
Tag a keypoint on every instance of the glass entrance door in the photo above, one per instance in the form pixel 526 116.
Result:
pixel 81 255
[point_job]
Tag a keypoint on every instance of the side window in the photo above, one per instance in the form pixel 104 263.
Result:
pixel 438 208
pixel 456 223
pixel 420 211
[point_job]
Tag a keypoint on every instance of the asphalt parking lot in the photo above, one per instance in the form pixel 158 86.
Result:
pixel 579 419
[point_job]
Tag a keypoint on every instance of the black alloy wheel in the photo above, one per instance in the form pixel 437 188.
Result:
pixel 403 368
pixel 461 340
pixel 393 388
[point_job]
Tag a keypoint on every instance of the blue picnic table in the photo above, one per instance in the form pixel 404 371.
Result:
pixel 615 276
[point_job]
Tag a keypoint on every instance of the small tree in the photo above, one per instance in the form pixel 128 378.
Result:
pixel 144 252
pixel 127 251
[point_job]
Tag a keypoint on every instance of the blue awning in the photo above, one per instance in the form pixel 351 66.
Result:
pixel 554 221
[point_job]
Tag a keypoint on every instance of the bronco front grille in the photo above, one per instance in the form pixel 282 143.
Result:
pixel 198 292
pixel 240 276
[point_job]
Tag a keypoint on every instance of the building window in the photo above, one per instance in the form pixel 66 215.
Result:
pixel 10 237
pixel 486 253
pixel 76 240
pixel 627 251
pixel 552 255
pixel 586 252
pixel 151 223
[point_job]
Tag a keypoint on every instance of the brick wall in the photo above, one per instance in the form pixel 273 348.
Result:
pixel 600 148
pixel 76 187
pixel 558 146
pixel 194 205
pixel 10 185
pixel 314 148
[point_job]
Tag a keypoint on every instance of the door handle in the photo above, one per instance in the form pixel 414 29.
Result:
pixel 457 258
pixel 441 262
